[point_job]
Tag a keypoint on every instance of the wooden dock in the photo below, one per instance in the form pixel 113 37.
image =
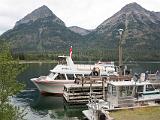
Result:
pixel 80 92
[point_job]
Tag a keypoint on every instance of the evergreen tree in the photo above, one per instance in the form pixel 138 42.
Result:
pixel 9 69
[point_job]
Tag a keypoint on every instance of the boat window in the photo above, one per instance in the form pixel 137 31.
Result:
pixel 70 76
pixel 125 91
pixel 60 77
pixel 139 88
pixel 130 90
pixel 109 89
pixel 85 75
pixel 149 88
pixel 114 90
pixel 78 75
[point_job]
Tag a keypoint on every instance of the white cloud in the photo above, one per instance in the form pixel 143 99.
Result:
pixel 83 13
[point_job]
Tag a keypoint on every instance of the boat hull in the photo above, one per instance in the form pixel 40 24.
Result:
pixel 54 86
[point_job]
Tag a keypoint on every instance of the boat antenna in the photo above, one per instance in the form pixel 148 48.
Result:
pixel 70 52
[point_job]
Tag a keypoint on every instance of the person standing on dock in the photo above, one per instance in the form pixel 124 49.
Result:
pixel 158 75
pixel 146 75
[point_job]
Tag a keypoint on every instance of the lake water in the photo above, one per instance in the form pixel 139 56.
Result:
pixel 40 107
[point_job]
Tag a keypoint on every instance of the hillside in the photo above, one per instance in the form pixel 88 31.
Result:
pixel 42 31
pixel 141 28
pixel 79 30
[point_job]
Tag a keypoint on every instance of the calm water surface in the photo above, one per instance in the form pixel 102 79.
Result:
pixel 40 107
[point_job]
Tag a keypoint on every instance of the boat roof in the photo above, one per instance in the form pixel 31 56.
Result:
pixel 71 72
pixel 129 83
pixel 62 56
pixel 63 69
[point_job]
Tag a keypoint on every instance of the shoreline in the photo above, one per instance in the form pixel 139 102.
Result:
pixel 55 61
pixel 36 61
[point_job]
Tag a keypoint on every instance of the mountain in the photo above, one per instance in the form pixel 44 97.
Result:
pixel 141 29
pixel 40 31
pixel 79 30
pixel 42 12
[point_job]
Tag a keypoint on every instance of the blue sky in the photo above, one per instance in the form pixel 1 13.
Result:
pixel 83 13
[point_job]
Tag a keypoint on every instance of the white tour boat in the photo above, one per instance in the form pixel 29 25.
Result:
pixel 66 72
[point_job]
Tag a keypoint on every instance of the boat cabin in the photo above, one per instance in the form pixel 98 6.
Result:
pixel 127 93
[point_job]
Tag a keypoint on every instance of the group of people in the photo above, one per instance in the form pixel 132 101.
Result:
pixel 145 76
pixel 157 75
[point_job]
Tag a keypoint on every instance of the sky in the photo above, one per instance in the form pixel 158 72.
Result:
pixel 87 14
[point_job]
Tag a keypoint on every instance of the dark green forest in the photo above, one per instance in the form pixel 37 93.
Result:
pixel 93 55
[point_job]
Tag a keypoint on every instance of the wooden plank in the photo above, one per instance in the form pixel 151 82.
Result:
pixel 82 93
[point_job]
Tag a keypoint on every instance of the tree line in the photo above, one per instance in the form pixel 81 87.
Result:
pixel 92 55
pixel 9 69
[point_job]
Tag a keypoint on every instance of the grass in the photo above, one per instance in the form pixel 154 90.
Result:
pixel 149 113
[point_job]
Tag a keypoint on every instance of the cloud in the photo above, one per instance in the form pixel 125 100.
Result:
pixel 83 13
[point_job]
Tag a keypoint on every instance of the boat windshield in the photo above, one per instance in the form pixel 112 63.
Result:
pixel 139 89
pixel 51 75
pixel 125 91
pixel 60 77
pixel 149 88
pixel 70 76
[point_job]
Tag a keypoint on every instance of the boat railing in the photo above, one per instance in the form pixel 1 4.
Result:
pixel 100 79
pixel 119 78
pixel 91 67
pixel 151 76
pixel 89 79
pixel 84 66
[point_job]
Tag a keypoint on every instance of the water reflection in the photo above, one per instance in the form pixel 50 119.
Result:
pixel 40 107
pixel 58 108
